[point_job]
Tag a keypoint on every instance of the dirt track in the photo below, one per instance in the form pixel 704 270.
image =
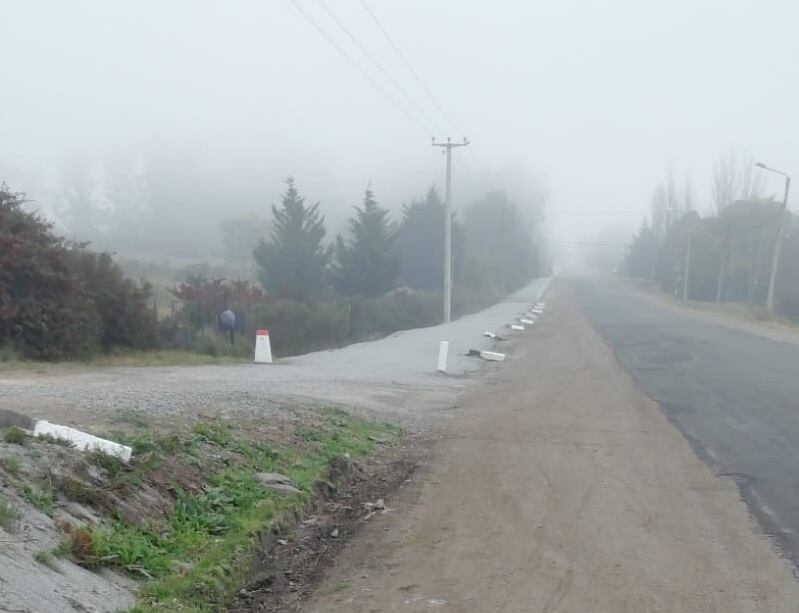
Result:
pixel 559 487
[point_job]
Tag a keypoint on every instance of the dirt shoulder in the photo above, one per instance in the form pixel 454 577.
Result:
pixel 560 487
pixel 729 315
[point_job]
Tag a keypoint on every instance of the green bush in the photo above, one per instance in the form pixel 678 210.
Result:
pixel 301 325
pixel 217 345
pixel 57 299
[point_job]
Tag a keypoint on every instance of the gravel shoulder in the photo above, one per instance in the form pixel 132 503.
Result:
pixel 559 486
pixel 394 376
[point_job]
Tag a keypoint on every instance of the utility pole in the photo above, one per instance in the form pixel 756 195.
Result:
pixel 687 274
pixel 775 256
pixel 448 146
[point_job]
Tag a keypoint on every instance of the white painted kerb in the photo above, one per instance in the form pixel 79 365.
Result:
pixel 82 440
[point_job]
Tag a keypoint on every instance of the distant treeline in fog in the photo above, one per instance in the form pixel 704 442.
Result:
pixel 60 299
pixel 728 250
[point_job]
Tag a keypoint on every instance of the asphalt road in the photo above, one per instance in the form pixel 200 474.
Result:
pixel 559 487
pixel 733 394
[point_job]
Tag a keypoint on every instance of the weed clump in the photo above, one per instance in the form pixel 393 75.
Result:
pixel 8 516
pixel 14 436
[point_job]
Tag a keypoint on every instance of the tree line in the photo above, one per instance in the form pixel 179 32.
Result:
pixel 60 299
pixel 493 247
pixel 726 254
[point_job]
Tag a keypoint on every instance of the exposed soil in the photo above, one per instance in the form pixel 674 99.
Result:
pixel 293 558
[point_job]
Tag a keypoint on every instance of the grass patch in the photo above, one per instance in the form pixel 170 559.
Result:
pixel 121 476
pixel 167 357
pixel 199 557
pixel 14 436
pixel 160 358
pixel 8 516
pixel 217 433
pixel 39 497
pixel 12 464
pixel 47 558
pixel 52 439
pixel 144 442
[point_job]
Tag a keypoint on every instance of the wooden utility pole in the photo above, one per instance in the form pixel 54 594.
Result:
pixel 448 146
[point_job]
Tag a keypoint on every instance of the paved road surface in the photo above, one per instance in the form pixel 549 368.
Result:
pixel 559 487
pixel 733 394
pixel 395 374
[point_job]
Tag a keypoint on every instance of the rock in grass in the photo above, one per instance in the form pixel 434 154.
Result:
pixel 277 483
pixel 272 478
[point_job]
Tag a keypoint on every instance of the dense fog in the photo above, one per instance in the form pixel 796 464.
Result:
pixel 143 127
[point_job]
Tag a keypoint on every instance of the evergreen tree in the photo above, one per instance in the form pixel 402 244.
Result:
pixel 295 258
pixel 500 243
pixel 420 243
pixel 366 263
pixel 641 257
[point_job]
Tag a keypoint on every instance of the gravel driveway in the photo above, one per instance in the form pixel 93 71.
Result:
pixel 391 375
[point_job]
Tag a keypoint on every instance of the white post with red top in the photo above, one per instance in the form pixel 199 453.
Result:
pixel 263 350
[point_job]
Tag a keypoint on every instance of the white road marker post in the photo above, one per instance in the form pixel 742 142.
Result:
pixel 443 351
pixel 263 349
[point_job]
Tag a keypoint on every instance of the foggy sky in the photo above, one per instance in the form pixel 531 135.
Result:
pixel 592 100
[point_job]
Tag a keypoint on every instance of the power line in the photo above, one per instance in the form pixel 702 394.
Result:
pixel 360 69
pixel 379 67
pixel 410 68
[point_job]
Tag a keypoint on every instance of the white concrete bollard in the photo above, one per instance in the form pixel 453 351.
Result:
pixel 263 349
pixel 82 440
pixel 443 350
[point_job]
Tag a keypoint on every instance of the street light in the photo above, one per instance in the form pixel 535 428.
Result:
pixel 775 257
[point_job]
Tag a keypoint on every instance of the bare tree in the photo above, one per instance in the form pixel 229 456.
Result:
pixel 688 201
pixel 659 208
pixel 734 178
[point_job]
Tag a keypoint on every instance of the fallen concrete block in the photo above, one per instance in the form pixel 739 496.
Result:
pixel 516 327
pixel 496 337
pixel 526 321
pixel 492 356
pixel 82 440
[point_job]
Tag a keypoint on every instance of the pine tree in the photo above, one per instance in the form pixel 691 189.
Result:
pixel 295 258
pixel 420 243
pixel 366 263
